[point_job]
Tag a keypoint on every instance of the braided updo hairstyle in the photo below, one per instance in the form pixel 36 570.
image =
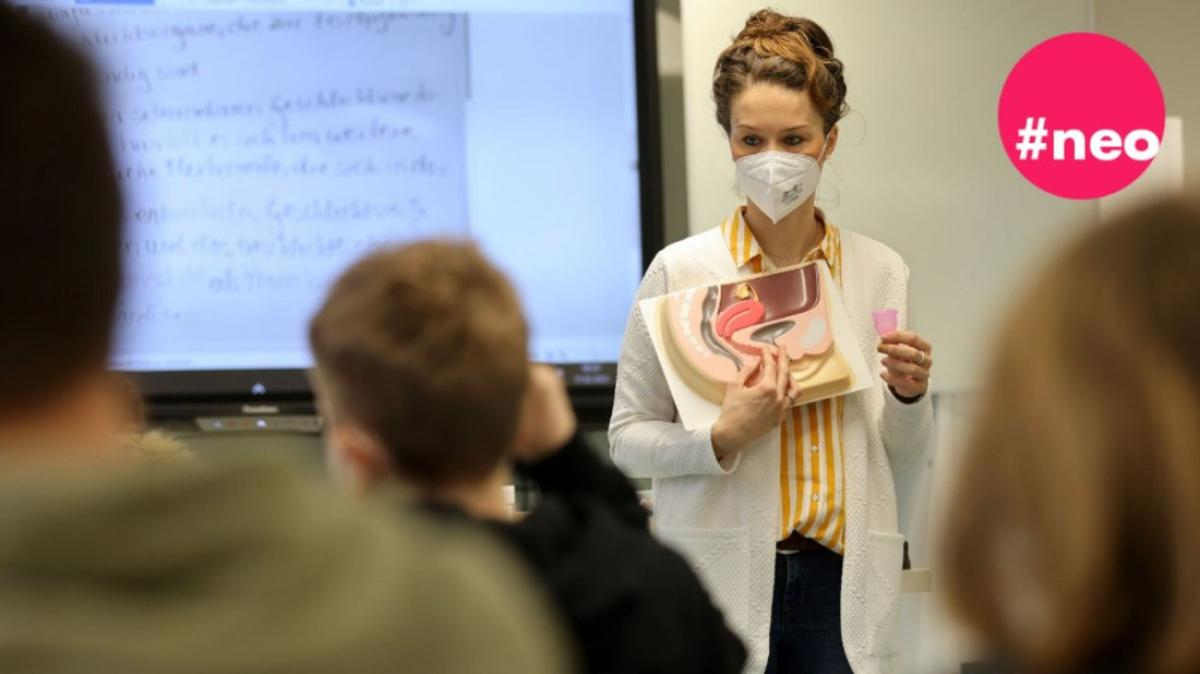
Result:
pixel 788 51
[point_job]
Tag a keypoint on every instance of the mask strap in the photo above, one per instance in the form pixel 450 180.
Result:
pixel 824 146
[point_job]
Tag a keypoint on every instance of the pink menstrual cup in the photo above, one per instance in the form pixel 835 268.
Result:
pixel 885 321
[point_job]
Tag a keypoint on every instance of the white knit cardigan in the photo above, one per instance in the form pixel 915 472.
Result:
pixel 724 519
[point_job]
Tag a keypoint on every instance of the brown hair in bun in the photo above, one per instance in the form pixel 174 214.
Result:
pixel 785 50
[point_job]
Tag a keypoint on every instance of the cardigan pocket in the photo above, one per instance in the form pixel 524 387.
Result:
pixel 885 560
pixel 720 558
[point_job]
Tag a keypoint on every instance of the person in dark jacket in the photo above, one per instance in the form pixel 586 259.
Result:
pixel 424 379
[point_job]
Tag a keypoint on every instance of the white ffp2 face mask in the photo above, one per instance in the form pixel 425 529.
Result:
pixel 778 182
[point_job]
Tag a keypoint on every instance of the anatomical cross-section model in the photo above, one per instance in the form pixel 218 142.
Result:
pixel 711 333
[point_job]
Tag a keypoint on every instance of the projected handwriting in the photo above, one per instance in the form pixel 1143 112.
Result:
pixel 263 152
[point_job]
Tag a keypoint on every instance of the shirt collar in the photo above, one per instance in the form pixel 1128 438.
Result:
pixel 744 248
pixel 740 240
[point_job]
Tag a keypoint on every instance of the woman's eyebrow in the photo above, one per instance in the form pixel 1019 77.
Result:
pixel 749 127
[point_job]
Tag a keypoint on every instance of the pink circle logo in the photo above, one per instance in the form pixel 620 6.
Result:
pixel 1081 115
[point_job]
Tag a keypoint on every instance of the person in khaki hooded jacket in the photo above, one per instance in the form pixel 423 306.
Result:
pixel 105 567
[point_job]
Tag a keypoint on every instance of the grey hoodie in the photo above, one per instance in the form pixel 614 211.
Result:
pixel 250 569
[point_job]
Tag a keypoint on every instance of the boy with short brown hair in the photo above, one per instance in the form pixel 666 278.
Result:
pixel 423 374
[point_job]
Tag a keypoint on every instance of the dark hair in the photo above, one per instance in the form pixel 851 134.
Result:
pixel 789 51
pixel 61 208
pixel 425 348
pixel 1071 542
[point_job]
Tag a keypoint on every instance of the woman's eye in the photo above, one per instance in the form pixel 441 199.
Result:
pixel 750 140
pixel 793 140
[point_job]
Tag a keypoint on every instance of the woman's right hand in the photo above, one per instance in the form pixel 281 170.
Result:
pixel 755 403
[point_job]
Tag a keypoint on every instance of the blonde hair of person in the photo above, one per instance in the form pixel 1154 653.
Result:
pixel 1073 538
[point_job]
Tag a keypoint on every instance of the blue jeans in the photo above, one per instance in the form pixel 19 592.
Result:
pixel 806 615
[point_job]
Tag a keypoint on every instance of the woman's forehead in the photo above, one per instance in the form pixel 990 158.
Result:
pixel 773 106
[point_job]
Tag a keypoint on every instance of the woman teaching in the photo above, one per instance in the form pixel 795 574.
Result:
pixel 787 512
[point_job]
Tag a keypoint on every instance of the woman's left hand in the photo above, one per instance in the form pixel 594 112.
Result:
pixel 907 360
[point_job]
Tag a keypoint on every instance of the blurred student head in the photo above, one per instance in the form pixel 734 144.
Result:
pixel 422 367
pixel 59 265
pixel 1073 540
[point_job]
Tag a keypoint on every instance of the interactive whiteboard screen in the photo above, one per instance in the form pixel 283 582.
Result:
pixel 264 146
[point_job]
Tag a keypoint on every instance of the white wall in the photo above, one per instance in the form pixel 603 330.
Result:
pixel 919 164
pixel 931 644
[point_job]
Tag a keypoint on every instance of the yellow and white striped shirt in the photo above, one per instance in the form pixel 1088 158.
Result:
pixel 811 480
